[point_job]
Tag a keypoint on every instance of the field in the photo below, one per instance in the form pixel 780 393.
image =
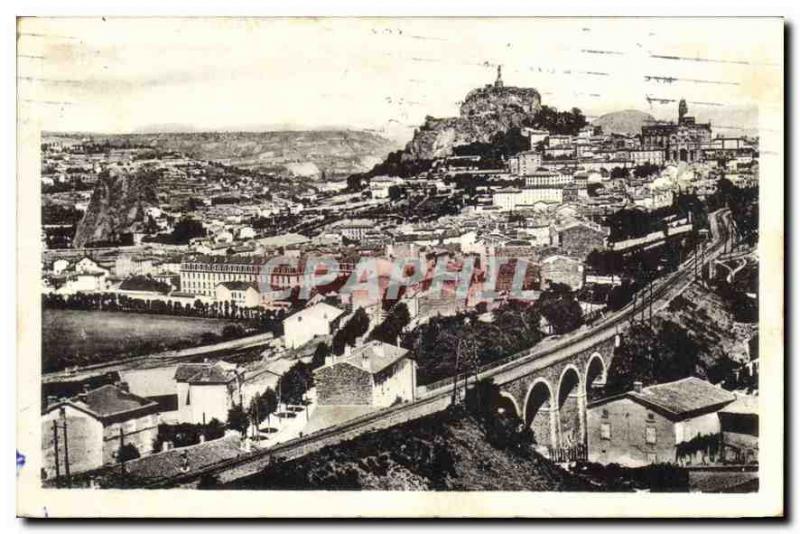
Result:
pixel 76 337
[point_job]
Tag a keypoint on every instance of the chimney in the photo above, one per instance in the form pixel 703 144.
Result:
pixel 637 386
pixel 124 387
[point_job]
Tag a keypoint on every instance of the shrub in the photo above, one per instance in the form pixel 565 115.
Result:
pixel 127 452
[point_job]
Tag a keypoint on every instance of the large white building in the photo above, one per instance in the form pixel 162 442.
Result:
pixel 510 199
pixel 317 320
pixel 546 178
pixel 525 163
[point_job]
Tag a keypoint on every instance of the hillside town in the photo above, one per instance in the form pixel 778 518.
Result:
pixel 296 308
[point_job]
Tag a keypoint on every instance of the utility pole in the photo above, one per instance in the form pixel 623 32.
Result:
pixel 66 454
pixel 121 444
pixel 55 449
pixel 455 375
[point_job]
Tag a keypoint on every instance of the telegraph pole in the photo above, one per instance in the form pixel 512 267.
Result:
pixel 55 447
pixel 66 454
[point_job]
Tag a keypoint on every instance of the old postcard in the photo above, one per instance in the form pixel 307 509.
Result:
pixel 409 267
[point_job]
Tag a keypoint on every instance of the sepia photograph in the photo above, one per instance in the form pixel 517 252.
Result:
pixel 457 267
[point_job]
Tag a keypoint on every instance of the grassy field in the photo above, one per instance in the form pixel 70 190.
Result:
pixel 76 337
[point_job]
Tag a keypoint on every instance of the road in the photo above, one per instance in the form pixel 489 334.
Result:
pixel 439 397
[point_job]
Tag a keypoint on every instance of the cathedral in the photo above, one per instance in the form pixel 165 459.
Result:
pixel 681 141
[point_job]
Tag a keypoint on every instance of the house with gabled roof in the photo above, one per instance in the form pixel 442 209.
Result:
pixel 319 319
pixel 375 374
pixel 242 293
pixel 649 424
pixel 206 391
pixel 86 431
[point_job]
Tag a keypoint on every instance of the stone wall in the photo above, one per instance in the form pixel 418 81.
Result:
pixel 628 422
pixel 343 384
pixel 579 241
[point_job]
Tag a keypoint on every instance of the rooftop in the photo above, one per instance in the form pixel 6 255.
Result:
pixel 203 373
pixel 318 311
pixel 686 397
pixel 238 285
pixel 374 356
pixel 110 403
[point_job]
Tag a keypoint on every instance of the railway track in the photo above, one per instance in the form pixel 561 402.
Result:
pixel 439 397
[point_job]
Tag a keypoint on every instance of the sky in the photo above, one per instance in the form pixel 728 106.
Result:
pixel 139 74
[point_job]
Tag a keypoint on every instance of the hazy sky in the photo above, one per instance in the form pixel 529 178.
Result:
pixel 125 75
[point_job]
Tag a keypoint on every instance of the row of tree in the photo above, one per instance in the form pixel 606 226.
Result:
pixel 258 317
pixel 291 390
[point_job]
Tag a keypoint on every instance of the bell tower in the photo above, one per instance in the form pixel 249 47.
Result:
pixel 498 83
pixel 683 109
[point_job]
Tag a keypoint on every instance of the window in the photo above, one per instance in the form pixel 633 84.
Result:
pixel 605 431
pixel 604 413
pixel 650 435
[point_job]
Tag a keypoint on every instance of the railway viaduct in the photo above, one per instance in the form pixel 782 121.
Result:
pixel 550 393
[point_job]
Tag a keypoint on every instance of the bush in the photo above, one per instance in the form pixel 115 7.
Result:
pixel 127 452
pixel 237 419
pixel 232 331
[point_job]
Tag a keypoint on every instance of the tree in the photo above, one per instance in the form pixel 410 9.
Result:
pixel 185 230
pixel 295 382
pixel 268 402
pixel 262 406
pixel 127 452
pixel 561 309
pixel 652 357
pixel 356 327
pixel 237 419
pixel 557 122
pixel 619 172
pixel 503 427
pixel 322 352
pixel 389 330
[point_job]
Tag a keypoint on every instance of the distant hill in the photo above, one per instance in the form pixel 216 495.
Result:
pixel 627 122
pixel 336 152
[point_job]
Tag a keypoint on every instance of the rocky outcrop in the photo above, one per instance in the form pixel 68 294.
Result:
pixel 117 206
pixel 484 113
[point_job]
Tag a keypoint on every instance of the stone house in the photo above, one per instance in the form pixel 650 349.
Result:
pixel 560 269
pixel 578 238
pixel 647 425
pixel 375 374
pixel 89 429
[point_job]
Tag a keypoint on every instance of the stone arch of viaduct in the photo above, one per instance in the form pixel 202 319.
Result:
pixel 552 399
